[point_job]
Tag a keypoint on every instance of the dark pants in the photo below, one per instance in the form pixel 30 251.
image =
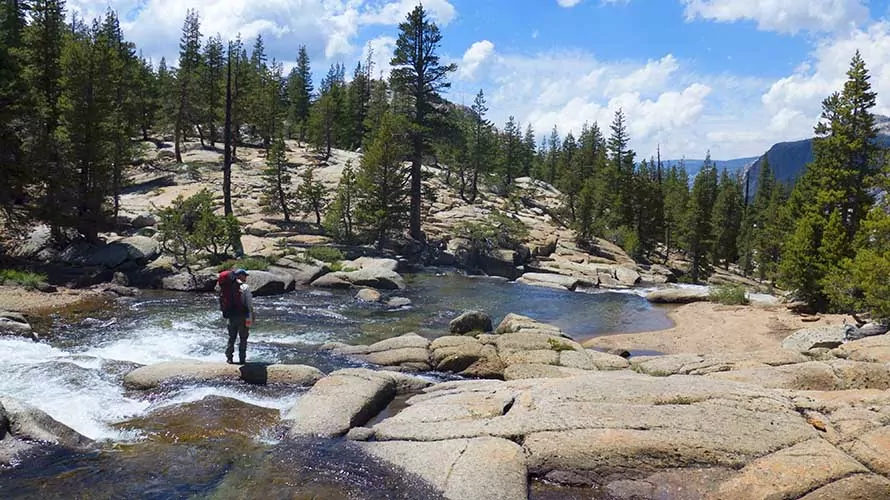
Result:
pixel 237 328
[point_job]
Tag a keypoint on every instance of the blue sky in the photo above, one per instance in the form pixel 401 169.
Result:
pixel 729 76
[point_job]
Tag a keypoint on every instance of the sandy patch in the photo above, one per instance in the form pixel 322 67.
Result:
pixel 28 301
pixel 705 328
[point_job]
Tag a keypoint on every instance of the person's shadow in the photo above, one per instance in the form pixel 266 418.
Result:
pixel 255 373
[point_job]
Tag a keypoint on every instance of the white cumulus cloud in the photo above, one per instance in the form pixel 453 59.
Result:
pixel 785 16
pixel 474 57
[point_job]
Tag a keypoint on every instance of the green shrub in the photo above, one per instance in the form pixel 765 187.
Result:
pixel 27 279
pixel 191 225
pixel 325 254
pixel 495 231
pixel 730 295
pixel 249 263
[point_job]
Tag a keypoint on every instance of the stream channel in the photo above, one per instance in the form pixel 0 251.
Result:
pixel 224 441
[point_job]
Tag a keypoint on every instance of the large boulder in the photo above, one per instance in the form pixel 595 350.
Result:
pixel 340 401
pixel 678 295
pixel 303 273
pixel 38 239
pixel 15 324
pixel 264 283
pixel 470 321
pixel 549 280
pixel 140 249
pixel 500 262
pixel 190 282
pixel 380 278
pixel 462 469
pixel 24 428
pixel 812 338
pixel 409 351
pixel 152 376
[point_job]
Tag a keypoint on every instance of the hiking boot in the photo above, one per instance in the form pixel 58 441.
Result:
pixel 229 361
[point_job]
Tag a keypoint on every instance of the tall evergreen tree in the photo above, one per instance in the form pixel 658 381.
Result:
pixel 188 81
pixel 699 229
pixel 727 220
pixel 676 201
pixel 480 144
pixel 299 92
pixel 277 193
pixel 42 54
pixel 14 172
pixel 620 174
pixel 382 185
pixel 418 74
pixel 213 83
pixel 836 182
pixel 340 217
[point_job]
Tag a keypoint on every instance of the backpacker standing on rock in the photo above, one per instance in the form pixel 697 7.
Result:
pixel 236 305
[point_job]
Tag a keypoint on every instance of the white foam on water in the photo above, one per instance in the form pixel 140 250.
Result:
pixel 69 387
pixel 155 344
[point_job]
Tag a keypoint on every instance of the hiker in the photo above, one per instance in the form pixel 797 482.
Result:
pixel 236 304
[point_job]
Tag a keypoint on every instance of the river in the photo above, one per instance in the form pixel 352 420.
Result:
pixel 223 440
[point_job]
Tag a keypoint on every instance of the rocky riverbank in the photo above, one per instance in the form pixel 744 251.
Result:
pixel 807 418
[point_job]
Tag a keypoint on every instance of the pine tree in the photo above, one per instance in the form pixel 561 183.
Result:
pixel 14 172
pixel 187 80
pixel 378 107
pixel 621 171
pixel 339 219
pixel 42 73
pixel 727 220
pixel 699 227
pixel 676 201
pixel 835 182
pixel 510 152
pixel 312 194
pixel 324 117
pixel 418 74
pixel 529 152
pixel 146 97
pixel 358 97
pixel 299 91
pixel 213 84
pixel 277 192
pixel 480 145
pixel 382 185
pixel 553 156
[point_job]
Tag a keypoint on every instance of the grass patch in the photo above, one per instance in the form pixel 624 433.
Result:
pixel 676 400
pixel 325 254
pixel 26 279
pixel 559 346
pixel 730 295
pixel 338 267
pixel 249 263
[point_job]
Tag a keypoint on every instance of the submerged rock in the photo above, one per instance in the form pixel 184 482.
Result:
pixel 25 428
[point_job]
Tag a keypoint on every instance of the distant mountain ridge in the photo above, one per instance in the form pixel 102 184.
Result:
pixel 788 160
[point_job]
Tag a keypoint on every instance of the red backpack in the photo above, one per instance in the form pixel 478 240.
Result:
pixel 230 301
